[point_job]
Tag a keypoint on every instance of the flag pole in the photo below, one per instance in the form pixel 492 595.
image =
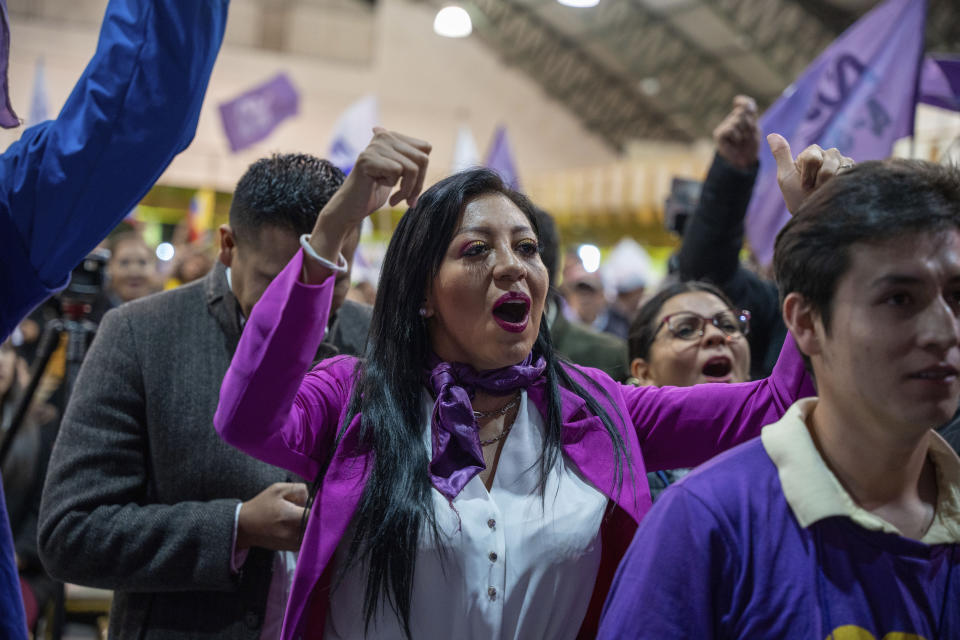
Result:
pixel 917 81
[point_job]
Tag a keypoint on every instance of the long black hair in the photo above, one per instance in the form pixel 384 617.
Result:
pixel 397 503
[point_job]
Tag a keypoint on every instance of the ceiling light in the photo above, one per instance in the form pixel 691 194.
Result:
pixel 650 86
pixel 452 22
pixel 579 4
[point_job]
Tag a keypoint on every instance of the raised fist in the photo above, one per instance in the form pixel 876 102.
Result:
pixel 738 136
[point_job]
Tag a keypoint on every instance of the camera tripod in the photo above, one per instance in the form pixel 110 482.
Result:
pixel 79 331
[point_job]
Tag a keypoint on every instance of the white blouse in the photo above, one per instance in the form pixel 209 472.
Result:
pixel 516 565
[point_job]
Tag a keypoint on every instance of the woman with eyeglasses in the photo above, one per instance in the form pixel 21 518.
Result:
pixel 689 333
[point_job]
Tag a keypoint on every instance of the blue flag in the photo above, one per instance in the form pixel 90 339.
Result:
pixel 8 119
pixel 859 95
pixel 13 621
pixel 500 159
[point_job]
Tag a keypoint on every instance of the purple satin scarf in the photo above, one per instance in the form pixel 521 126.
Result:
pixel 457 454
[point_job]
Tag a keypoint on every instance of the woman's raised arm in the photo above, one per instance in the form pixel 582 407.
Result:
pixel 270 407
pixel 685 426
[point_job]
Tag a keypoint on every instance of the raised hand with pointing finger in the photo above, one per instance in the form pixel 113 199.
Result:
pixel 800 177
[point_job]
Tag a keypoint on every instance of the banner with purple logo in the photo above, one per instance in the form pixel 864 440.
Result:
pixel 500 158
pixel 8 119
pixel 254 115
pixel 859 95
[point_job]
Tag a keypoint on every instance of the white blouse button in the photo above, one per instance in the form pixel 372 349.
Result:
pixel 492 556
pixel 492 592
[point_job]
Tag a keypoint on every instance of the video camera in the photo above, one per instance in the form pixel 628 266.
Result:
pixel 681 204
pixel 86 283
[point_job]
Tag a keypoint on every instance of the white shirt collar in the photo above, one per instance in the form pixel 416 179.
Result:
pixel 814 492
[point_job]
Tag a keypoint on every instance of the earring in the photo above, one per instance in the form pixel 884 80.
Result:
pixel 423 312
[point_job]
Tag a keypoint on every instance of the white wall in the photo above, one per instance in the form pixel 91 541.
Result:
pixel 427 86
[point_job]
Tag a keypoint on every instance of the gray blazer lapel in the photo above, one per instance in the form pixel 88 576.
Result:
pixel 222 304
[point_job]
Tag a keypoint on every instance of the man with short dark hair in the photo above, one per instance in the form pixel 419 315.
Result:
pixel 142 496
pixel 842 520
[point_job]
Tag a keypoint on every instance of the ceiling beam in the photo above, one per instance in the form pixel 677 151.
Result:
pixel 606 102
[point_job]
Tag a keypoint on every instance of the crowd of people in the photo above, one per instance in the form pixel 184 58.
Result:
pixel 493 448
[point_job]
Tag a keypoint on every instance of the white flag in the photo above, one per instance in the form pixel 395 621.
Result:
pixel 352 132
pixel 465 152
pixel 38 102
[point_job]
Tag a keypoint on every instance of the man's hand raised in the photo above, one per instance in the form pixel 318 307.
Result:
pixel 738 136
pixel 811 169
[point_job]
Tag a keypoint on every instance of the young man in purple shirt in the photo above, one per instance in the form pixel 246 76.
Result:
pixel 842 520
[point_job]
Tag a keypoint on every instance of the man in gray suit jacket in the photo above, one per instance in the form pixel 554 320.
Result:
pixel 142 497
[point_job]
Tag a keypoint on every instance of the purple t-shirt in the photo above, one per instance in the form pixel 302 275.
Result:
pixel 721 555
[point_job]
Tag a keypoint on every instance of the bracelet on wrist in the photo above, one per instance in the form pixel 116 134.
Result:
pixel 341 267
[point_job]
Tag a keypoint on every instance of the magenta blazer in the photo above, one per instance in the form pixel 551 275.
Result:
pixel 271 411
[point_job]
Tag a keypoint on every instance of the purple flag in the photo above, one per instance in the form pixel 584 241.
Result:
pixel 859 95
pixel 254 115
pixel 500 159
pixel 940 82
pixel 8 119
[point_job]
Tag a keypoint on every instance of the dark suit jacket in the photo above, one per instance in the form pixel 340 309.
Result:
pixel 141 493
pixel 710 251
pixel 584 346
